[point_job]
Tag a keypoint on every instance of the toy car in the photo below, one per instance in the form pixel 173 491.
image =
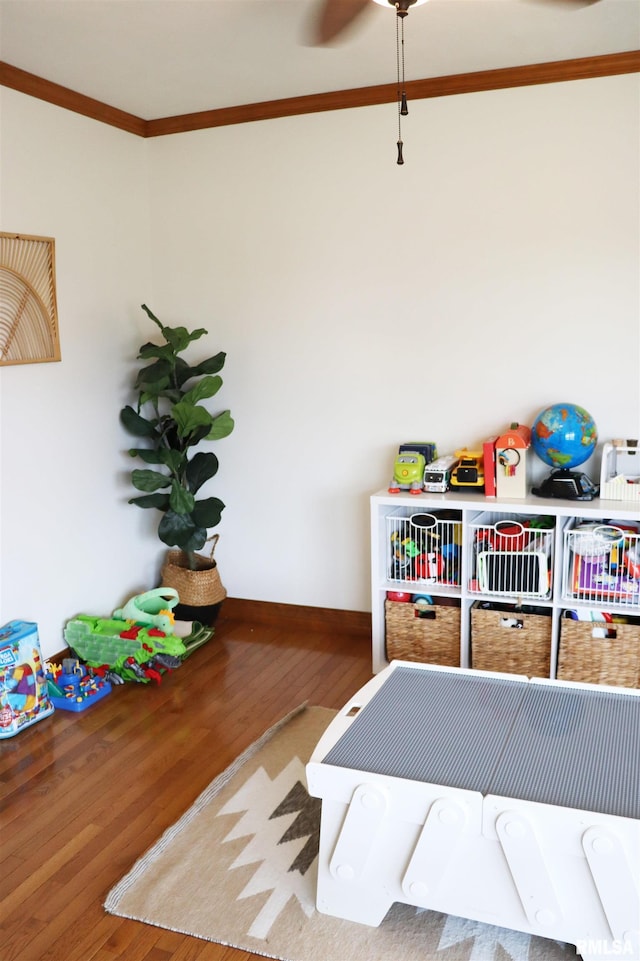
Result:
pixel 469 471
pixel 437 474
pixel 408 473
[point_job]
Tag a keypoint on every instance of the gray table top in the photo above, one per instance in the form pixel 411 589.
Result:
pixel 547 743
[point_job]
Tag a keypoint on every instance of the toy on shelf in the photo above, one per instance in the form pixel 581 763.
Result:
pixel 24 693
pixel 72 687
pixel 437 474
pixel 511 461
pixel 489 465
pixel 408 473
pixel 469 471
pixel 427 448
pixel 565 436
pixel 620 471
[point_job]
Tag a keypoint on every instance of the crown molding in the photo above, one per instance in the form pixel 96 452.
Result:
pixel 556 71
pixel 35 86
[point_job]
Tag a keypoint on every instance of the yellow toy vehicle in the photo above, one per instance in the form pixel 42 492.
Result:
pixel 469 471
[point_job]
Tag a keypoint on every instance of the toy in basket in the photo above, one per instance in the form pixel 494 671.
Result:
pixel 606 562
pixel 425 547
pixel 513 556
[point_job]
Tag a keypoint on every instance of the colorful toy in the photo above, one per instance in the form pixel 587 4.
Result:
pixel 511 459
pixel 72 687
pixel 565 436
pixel 134 651
pixel 469 471
pixel 427 448
pixel 24 693
pixel 153 608
pixel 408 473
pixel 605 561
pixel 437 475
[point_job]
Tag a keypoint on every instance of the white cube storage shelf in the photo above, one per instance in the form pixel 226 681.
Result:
pixel 550 553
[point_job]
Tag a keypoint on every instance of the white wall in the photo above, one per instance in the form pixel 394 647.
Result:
pixel 69 541
pixel 360 304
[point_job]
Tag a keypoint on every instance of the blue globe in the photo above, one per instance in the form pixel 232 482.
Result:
pixel 564 435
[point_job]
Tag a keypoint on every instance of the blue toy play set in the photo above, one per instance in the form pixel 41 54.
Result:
pixel 72 687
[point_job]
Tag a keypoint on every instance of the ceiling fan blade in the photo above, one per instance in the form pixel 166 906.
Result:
pixel 335 16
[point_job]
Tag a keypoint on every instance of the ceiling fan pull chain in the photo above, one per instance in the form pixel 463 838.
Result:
pixel 402 97
pixel 404 110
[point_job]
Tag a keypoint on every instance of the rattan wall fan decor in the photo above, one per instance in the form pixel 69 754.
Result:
pixel 28 313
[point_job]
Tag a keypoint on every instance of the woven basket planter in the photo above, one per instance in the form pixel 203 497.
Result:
pixel 200 591
pixel 428 633
pixel 511 641
pixel 611 660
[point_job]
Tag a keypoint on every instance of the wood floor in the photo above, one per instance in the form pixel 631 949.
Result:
pixel 82 796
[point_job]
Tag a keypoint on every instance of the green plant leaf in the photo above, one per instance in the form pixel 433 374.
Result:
pixel 181 371
pixel 155 377
pixel 160 501
pixel 209 366
pixel 188 418
pixel 179 337
pixel 151 315
pixel 162 352
pixel 206 387
pixel 179 530
pixel 172 459
pixel 136 424
pixel 201 468
pixel 195 543
pixel 149 480
pixel 207 512
pixel 221 426
pixel 182 501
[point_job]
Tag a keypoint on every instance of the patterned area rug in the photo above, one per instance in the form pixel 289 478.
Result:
pixel 240 866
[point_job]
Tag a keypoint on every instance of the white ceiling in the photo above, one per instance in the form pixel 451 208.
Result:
pixel 159 58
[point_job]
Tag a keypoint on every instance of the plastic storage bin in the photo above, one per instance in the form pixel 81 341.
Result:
pixel 511 639
pixel 428 633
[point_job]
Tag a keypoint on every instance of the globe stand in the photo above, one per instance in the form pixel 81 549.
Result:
pixel 567 484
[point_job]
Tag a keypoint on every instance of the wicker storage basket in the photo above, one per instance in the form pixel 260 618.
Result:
pixel 498 644
pixel 611 660
pixel 429 633
pixel 199 588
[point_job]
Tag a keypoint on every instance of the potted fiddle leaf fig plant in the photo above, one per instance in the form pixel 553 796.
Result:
pixel 173 420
